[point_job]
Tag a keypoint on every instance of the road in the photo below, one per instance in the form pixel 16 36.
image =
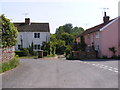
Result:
pixel 58 73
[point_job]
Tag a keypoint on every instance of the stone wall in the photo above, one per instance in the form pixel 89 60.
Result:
pixel 6 53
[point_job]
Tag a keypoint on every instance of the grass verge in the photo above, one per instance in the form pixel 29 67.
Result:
pixel 30 57
pixel 9 64
pixel 50 56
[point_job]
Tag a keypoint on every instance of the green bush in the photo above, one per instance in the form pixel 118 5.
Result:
pixel 10 64
pixel 14 63
pixel 115 57
pixel 67 51
pixel 22 52
pixel 45 52
pixel 19 53
pixel 104 57
pixel 70 57
pixel 25 51
pixel 5 66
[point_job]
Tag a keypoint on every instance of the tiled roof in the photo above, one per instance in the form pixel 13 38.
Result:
pixel 32 27
pixel 95 28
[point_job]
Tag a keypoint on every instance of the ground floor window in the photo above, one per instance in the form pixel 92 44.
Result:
pixel 19 46
pixel 36 46
pixel 97 47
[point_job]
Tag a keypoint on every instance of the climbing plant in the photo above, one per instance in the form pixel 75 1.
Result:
pixel 113 50
pixel 83 44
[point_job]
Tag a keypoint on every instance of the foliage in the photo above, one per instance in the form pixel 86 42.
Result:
pixel 68 50
pixel 70 57
pixel 76 46
pixel 22 52
pixel 113 50
pixel 64 37
pixel 104 57
pixel 19 53
pixel 68 38
pixel 9 32
pixel 31 49
pixel 77 30
pixel 25 51
pixel 68 28
pixel 53 44
pixel 10 64
pixel 83 44
pixel 60 46
pixel 46 47
pixel 0 32
pixel 65 28
pixel 45 52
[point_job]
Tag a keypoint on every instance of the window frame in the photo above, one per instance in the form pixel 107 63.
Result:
pixel 37 46
pixel 88 36
pixel 36 35
pixel 19 46
pixel 97 34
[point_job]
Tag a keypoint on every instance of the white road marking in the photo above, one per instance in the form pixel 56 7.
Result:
pixel 103 66
pixel 116 71
pixel 115 68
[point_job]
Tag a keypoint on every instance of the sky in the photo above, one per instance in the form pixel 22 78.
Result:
pixel 80 13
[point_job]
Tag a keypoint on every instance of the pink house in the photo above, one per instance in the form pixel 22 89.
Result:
pixel 103 36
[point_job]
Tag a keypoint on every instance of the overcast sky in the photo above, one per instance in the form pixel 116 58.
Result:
pixel 81 13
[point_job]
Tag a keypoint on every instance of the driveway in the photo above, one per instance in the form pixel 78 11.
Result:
pixel 45 73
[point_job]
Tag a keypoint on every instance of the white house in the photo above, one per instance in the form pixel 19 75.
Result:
pixel 32 32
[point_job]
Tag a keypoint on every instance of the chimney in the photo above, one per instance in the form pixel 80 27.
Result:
pixel 106 18
pixel 27 20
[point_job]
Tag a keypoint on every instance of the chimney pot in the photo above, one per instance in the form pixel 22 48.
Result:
pixel 27 20
pixel 104 13
pixel 106 18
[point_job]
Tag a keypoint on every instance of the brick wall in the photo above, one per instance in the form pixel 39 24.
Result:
pixel 6 53
pixel 84 55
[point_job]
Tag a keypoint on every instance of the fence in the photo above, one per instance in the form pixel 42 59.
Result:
pixel 6 53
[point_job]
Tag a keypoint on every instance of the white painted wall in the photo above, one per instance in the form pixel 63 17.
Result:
pixel 28 38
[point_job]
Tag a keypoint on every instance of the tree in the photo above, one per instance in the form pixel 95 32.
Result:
pixel 60 46
pixel 68 38
pixel 53 44
pixel 0 32
pixel 68 50
pixel 9 32
pixel 65 28
pixel 77 30
pixel 31 49
pixel 65 35
pixel 46 46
